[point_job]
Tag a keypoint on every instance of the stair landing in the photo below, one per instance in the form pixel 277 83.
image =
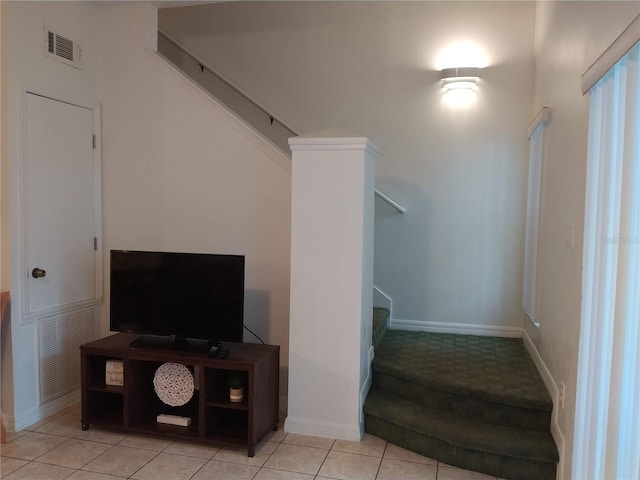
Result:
pixel 470 401
pixel 487 368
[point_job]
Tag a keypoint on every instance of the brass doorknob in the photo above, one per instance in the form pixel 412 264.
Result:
pixel 38 273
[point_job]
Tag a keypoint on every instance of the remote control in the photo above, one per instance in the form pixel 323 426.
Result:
pixel 223 352
pixel 214 351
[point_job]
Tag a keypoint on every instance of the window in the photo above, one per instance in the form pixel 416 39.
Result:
pixel 536 136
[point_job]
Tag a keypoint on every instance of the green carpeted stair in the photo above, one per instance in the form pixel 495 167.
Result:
pixel 380 319
pixel 470 401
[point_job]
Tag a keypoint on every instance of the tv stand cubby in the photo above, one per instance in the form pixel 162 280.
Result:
pixel 134 407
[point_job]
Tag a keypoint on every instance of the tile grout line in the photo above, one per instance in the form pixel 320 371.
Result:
pixel 386 445
pixel 148 462
pixel 110 448
pixel 324 459
pixel 269 456
pixel 35 460
pixel 206 460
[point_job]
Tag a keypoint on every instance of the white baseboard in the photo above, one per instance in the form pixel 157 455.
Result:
pixel 27 418
pixel 558 437
pixel 283 407
pixel 366 385
pixel 318 428
pixel 456 328
pixel 552 388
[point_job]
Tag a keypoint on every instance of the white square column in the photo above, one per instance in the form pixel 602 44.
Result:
pixel 332 216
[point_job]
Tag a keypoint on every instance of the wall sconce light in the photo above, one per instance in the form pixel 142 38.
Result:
pixel 460 85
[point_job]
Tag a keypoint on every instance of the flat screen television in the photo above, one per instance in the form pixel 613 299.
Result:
pixel 176 298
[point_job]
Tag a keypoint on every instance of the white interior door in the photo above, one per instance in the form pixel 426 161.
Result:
pixel 60 223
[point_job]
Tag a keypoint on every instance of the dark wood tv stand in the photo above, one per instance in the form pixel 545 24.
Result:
pixel 134 407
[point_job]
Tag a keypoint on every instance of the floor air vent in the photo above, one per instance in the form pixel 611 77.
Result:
pixel 59 339
pixel 62 48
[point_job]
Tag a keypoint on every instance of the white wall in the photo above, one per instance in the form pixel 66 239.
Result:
pixel 372 67
pixel 28 67
pixel 569 38
pixel 455 256
pixel 180 174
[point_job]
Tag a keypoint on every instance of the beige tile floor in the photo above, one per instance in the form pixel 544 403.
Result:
pixel 57 448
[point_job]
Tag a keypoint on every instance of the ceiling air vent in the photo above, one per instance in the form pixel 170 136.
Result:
pixel 62 48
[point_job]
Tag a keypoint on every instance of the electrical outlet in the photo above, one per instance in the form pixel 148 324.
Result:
pixel 562 394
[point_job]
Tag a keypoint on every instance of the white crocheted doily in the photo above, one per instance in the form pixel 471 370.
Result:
pixel 173 384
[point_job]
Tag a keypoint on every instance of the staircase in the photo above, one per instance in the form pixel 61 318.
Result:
pixel 473 402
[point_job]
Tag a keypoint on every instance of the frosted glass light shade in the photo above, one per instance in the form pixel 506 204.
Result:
pixel 460 85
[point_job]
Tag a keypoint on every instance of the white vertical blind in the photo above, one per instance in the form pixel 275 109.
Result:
pixel 607 427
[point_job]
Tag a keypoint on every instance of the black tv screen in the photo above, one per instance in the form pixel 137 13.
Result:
pixel 180 295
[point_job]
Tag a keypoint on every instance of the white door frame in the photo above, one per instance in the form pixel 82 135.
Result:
pixel 21 267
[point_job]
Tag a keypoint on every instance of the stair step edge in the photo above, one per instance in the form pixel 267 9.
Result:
pixel 545 405
pixel 466 433
pixel 494 465
pixel 464 405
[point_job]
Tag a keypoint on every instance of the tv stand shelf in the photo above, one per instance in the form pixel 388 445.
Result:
pixel 214 418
